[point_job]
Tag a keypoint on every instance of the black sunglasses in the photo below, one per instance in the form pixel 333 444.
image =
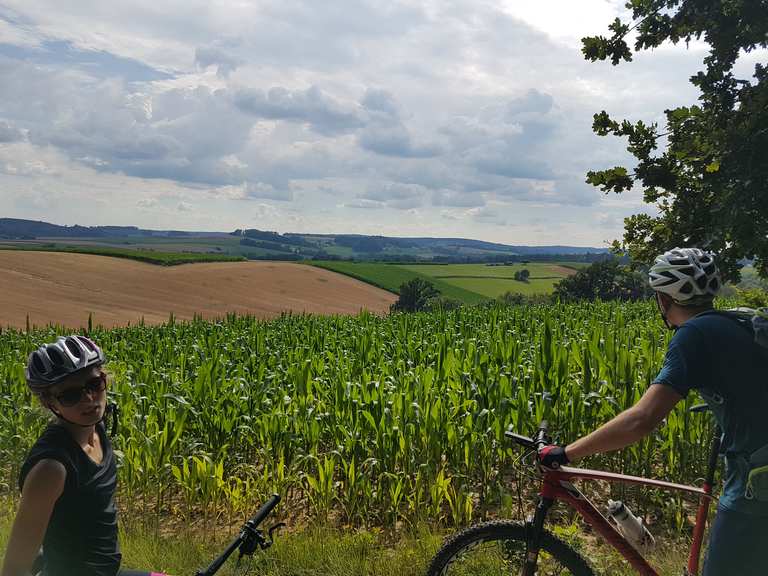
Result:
pixel 73 396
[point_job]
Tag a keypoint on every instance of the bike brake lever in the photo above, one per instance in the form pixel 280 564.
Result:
pixel 271 539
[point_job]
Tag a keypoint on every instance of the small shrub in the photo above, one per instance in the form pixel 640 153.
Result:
pixel 516 299
pixel 752 297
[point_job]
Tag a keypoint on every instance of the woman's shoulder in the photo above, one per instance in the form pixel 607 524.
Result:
pixel 53 445
pixel 45 475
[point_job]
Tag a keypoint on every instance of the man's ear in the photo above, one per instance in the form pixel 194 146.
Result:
pixel 666 300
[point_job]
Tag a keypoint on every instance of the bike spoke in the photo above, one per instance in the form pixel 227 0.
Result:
pixel 500 558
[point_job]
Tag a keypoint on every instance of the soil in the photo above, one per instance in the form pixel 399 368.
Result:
pixel 61 288
pixel 564 270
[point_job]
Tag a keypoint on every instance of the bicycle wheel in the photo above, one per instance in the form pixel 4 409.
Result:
pixel 498 547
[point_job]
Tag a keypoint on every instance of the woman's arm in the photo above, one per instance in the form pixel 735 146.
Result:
pixel 42 488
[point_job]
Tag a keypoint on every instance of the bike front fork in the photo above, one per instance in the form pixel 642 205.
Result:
pixel 534 531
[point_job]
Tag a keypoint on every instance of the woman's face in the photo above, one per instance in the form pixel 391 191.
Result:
pixel 82 397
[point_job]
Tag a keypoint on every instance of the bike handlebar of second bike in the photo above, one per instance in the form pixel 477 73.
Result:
pixel 248 530
pixel 264 511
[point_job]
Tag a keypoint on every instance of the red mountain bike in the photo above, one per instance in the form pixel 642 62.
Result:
pixel 509 547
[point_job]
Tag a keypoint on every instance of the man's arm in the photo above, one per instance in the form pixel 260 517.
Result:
pixel 628 427
pixel 42 488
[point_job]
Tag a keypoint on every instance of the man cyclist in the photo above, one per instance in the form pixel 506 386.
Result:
pixel 717 357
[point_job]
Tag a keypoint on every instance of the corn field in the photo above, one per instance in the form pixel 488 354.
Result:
pixel 364 421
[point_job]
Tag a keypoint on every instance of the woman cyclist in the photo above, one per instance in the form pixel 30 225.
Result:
pixel 68 479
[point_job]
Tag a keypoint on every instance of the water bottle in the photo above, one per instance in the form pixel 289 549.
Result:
pixel 629 525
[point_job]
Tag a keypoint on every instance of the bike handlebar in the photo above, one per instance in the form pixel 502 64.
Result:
pixel 248 540
pixel 542 438
pixel 264 511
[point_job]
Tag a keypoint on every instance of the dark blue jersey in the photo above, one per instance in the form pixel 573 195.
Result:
pixel 718 358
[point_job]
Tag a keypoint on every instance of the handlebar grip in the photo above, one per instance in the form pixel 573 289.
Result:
pixel 542 439
pixel 522 440
pixel 264 511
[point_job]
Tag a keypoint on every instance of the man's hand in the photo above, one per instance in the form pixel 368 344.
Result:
pixel 553 457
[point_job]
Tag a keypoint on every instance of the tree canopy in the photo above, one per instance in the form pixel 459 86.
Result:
pixel 710 181
pixel 606 280
pixel 416 295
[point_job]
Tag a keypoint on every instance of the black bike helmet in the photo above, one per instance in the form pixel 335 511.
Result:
pixel 52 363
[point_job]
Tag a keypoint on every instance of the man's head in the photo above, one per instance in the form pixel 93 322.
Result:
pixel 686 281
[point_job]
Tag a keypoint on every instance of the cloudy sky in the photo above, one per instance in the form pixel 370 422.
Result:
pixel 463 118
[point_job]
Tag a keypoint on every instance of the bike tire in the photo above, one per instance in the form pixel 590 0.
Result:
pixel 509 537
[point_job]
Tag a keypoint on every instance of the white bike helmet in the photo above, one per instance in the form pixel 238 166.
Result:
pixel 689 275
pixel 52 363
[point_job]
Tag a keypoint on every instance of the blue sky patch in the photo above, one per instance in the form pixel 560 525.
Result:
pixel 97 63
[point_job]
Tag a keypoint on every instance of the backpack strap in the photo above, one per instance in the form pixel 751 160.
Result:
pixel 740 316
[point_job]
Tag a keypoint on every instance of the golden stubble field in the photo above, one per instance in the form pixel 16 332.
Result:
pixel 65 288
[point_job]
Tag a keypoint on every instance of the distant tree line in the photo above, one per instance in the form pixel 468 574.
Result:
pixel 274 237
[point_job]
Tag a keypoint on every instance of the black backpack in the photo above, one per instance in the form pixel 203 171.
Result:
pixel 753 319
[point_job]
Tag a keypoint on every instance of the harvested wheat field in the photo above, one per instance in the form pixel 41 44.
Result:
pixel 63 288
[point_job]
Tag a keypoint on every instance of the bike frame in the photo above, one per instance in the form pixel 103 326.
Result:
pixel 557 485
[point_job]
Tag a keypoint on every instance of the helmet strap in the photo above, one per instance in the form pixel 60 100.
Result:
pixel 111 408
pixel 58 415
pixel 663 313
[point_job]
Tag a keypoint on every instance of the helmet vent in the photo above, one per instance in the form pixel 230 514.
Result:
pixel 701 282
pixel 686 288
pixel 39 364
pixel 88 344
pixel 73 348
pixel 56 358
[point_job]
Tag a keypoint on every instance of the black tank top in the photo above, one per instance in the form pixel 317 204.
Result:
pixel 81 537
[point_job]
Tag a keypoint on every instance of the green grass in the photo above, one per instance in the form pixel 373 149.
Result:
pixel 391 276
pixel 335 552
pixel 494 281
pixel 311 551
pixel 468 283
pixel 149 256
pixel 495 287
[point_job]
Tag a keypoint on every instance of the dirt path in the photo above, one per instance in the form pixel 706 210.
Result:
pixel 64 288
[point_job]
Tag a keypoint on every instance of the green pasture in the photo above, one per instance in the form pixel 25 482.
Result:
pixel 469 283
pixel 493 281
pixel 392 276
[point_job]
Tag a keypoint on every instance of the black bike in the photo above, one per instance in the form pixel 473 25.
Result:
pixel 249 540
